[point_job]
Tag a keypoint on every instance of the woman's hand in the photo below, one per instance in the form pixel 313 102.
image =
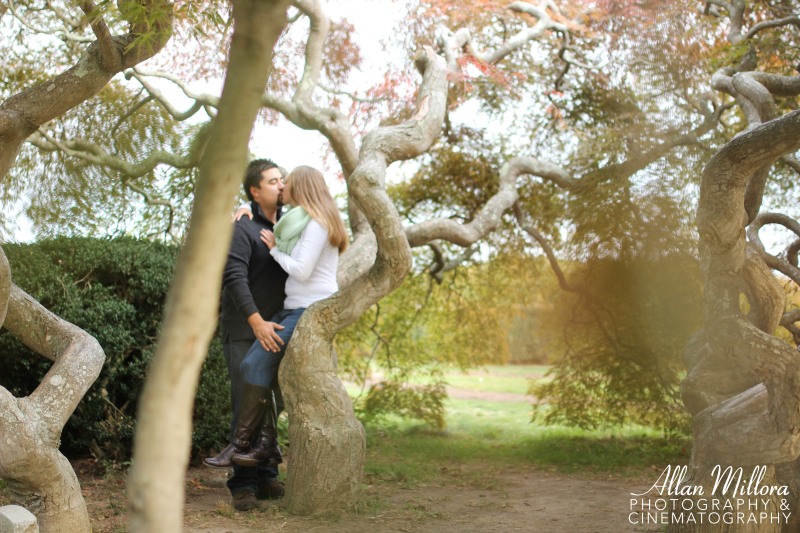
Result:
pixel 243 212
pixel 268 238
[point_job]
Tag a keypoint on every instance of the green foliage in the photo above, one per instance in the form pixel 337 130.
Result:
pixel 624 343
pixel 456 180
pixel 425 403
pixel 114 290
pixel 398 350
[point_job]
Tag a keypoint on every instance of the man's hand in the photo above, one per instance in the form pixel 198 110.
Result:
pixel 265 332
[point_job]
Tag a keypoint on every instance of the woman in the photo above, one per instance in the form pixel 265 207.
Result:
pixel 306 244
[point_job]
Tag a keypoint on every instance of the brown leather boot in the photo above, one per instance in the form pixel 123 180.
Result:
pixel 266 450
pixel 255 402
pixel 222 459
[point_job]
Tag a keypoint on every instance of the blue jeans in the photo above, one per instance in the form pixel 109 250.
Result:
pixel 260 367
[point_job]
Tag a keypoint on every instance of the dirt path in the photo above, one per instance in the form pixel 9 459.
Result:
pixel 522 499
pixel 462 394
pixel 525 499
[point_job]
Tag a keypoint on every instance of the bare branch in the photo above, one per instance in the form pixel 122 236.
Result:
pixel 63 15
pixel 353 96
pixel 441 265
pixel 792 251
pixel 63 33
pixel 129 113
pixel 777 84
pixel 545 23
pixel 489 217
pixel 784 266
pixel 757 95
pixel 638 160
pixel 110 55
pixel 792 162
pixel 96 154
pixel 527 224
pixel 316 39
pixel 199 99
pixel 788 321
pixel 451 43
pixel 152 200
pixel 766 24
pixel 736 14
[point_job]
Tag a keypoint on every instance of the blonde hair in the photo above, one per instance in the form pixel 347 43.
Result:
pixel 308 190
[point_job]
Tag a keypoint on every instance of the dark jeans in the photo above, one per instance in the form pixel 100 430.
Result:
pixel 260 367
pixel 245 477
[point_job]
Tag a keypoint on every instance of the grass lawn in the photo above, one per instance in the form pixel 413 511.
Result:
pixel 485 435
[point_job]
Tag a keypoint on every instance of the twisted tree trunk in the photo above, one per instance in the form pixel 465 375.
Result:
pixel 40 478
pixel 323 429
pixel 743 384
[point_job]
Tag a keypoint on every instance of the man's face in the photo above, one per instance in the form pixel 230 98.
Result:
pixel 269 190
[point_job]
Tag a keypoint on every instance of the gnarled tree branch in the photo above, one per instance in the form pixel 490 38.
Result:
pixel 24 112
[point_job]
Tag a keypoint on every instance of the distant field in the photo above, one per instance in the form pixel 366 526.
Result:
pixel 513 379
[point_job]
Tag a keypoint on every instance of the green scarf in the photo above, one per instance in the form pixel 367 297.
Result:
pixel 289 227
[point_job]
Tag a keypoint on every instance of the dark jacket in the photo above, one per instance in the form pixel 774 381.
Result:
pixel 252 281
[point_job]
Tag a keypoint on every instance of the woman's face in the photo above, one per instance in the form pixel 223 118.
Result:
pixel 287 193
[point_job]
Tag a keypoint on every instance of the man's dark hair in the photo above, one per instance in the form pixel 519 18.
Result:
pixel 253 176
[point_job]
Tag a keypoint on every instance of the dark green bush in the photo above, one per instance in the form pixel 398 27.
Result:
pixel 114 290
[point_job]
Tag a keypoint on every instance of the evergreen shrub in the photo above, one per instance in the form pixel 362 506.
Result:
pixel 115 290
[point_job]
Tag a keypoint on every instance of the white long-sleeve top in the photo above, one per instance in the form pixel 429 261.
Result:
pixel 311 267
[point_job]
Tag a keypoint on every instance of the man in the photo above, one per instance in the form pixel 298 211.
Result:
pixel 252 292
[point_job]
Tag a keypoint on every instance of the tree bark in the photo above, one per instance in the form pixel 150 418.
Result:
pixel 328 442
pixel 162 443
